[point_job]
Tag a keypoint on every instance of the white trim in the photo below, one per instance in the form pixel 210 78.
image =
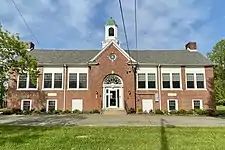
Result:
pixel 117 47
pixel 22 101
pixel 201 103
pixel 195 71
pixel 48 104
pixel 171 71
pixel 176 104
pixel 27 84
pixel 77 71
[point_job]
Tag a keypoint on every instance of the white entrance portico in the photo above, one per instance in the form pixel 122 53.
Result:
pixel 113 92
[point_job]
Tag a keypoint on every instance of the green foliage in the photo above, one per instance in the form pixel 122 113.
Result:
pixel 217 56
pixel 14 58
pixel 131 111
pixel 181 112
pixel 158 111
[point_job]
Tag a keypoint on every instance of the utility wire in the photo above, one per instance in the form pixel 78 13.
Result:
pixel 135 26
pixel 124 27
pixel 24 20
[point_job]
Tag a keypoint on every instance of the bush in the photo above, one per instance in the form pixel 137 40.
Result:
pixel 158 111
pixel 27 112
pixel 181 112
pixel 140 110
pixel 16 111
pixel 131 111
pixel 200 111
pixel 211 112
pixel 7 112
pixel 95 111
pixel 58 112
pixel 66 112
pixel 43 110
pixel 190 112
pixel 173 112
pixel 76 111
pixel 36 112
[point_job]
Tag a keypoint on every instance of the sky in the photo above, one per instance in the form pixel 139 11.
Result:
pixel 79 24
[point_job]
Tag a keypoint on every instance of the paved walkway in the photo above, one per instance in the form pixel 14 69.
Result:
pixel 111 120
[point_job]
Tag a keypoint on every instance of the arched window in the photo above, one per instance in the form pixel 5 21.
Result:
pixel 111 31
pixel 112 79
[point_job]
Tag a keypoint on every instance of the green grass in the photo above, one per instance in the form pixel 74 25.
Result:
pixel 220 107
pixel 113 138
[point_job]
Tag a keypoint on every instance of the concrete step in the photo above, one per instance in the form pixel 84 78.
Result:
pixel 114 112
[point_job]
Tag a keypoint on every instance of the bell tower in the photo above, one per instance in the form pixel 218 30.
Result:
pixel 111 32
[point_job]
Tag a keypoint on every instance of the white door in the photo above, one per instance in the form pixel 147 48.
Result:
pixel 147 105
pixel 77 104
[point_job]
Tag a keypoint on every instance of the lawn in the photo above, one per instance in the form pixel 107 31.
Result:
pixel 110 138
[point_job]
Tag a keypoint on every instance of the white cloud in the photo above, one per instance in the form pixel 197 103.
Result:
pixel 164 24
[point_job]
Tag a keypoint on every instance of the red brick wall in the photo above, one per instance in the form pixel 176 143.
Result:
pixel 96 74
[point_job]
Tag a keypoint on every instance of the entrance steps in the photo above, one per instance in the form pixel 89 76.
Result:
pixel 114 112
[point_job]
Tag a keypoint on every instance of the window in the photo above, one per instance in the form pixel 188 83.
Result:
pixel 176 80
pixel 190 80
pixel 47 80
pixel 151 80
pixel 25 82
pixel 141 81
pixel 111 31
pixel 200 80
pixel 195 81
pixel 172 105
pixel 197 104
pixel 166 80
pixel 72 80
pixel 58 80
pixel 146 81
pixel 26 104
pixel 53 80
pixel 77 80
pixel 51 105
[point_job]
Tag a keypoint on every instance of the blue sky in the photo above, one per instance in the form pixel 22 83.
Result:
pixel 79 24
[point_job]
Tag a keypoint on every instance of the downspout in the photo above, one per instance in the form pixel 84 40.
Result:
pixel 159 86
pixel 64 87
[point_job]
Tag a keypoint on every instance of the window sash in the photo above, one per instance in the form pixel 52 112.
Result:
pixel 22 81
pixel 82 80
pixel 197 104
pixel 172 105
pixel 26 105
pixel 51 105
pixel 72 80
pixel 58 80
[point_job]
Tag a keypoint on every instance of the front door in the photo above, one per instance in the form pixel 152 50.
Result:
pixel 112 97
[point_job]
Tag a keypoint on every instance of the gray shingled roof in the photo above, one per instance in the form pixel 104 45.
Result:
pixel 176 57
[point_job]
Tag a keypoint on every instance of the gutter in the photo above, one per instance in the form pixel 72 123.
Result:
pixel 64 87
pixel 159 86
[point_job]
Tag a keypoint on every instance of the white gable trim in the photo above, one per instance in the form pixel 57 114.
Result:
pixel 117 47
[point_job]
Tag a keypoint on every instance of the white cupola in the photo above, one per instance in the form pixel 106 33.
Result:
pixel 111 32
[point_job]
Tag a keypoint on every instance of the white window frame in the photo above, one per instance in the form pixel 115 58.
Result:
pixel 176 103
pixel 22 102
pixel 201 103
pixel 52 71
pixel 77 71
pixel 27 84
pixel 195 71
pixel 171 71
pixel 56 106
pixel 146 71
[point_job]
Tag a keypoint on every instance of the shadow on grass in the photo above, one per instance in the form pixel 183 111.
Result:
pixel 164 141
pixel 20 134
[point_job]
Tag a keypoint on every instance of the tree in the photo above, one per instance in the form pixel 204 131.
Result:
pixel 14 57
pixel 217 56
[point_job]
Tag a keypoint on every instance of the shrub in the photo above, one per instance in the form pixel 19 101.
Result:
pixel 140 110
pixel 166 112
pixel 173 112
pixel 95 111
pixel 66 112
pixel 190 112
pixel 131 111
pixel 158 111
pixel 27 112
pixel 36 112
pixel 181 112
pixel 76 111
pixel 200 111
pixel 57 112
pixel 7 112
pixel 43 110
pixel 16 111
pixel 211 112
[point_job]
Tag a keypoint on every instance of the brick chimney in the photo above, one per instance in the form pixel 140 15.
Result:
pixel 29 46
pixel 191 46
